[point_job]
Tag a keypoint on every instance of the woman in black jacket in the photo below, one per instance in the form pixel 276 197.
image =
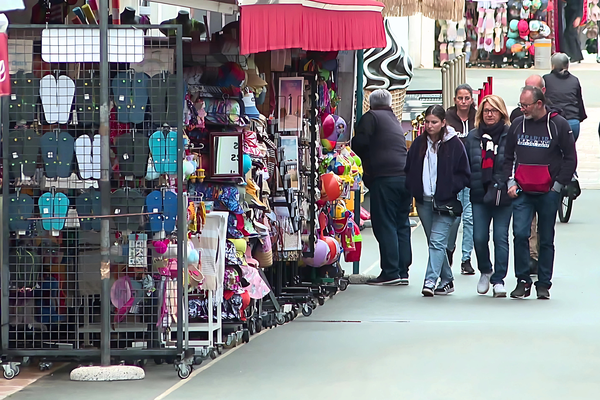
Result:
pixel 489 197
pixel 436 170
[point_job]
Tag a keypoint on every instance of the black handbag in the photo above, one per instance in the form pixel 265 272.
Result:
pixel 452 208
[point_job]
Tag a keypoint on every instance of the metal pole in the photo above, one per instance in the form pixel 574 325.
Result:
pixel 445 87
pixel 360 58
pixel 4 278
pixel 181 206
pixel 104 186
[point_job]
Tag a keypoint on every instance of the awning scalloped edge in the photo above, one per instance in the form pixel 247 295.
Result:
pixel 435 9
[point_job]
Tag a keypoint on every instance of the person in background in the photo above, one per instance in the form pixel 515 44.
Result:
pixel 380 143
pixel 489 193
pixel 539 160
pixel 563 90
pixel 437 169
pixel 570 42
pixel 461 117
pixel 536 81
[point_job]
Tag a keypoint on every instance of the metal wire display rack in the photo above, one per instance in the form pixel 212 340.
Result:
pixel 86 194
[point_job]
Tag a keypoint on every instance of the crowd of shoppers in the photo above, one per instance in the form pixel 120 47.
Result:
pixel 480 166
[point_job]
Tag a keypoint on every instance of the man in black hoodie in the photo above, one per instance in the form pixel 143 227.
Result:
pixel 380 143
pixel 540 159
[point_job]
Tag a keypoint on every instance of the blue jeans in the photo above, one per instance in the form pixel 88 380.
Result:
pixel 390 206
pixel 575 127
pixel 467 219
pixel 546 207
pixel 437 229
pixel 483 215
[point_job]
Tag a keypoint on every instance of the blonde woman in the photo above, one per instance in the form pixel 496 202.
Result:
pixel 485 150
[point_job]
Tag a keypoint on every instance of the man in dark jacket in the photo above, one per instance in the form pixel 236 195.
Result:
pixel 461 117
pixel 540 160
pixel 381 145
pixel 564 91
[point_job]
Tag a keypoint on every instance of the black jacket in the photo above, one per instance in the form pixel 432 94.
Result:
pixel 461 127
pixel 564 91
pixel 453 171
pixel 475 155
pixel 380 143
pixel 536 146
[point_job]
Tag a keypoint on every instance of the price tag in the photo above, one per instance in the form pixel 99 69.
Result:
pixel 86 96
pixel 50 154
pixel 121 98
pixel 155 210
pixel 117 211
pixel 46 211
pixel 15 155
pixel 125 156
pixel 13 97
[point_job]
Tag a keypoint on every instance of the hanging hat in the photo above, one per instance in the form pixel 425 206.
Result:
pixel 231 74
pixel 534 25
pixel 254 80
pixel 250 106
pixel 544 30
pixel 523 27
pixel 513 31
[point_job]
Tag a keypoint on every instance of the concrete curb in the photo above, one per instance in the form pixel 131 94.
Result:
pixel 107 374
pixel 357 279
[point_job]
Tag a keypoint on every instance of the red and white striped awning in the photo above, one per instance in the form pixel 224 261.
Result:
pixel 323 25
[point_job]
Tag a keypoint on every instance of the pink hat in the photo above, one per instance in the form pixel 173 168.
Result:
pixel 523 28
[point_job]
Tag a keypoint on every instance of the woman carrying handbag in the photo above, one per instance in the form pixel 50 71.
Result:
pixel 485 149
pixel 436 170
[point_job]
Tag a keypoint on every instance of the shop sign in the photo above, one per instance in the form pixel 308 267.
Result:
pixel 4 74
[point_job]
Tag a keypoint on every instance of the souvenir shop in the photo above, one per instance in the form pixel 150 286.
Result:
pixel 497 33
pixel 215 201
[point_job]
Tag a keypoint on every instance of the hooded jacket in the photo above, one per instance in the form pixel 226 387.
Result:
pixel 546 141
pixel 564 91
pixel 380 143
pixel 474 153
pixel 451 174
pixel 461 127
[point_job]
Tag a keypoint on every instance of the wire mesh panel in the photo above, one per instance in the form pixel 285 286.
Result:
pixel 54 200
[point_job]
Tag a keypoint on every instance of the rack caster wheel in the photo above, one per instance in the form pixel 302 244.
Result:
pixel 343 285
pixel 141 363
pixel 45 366
pixel 259 324
pixel 159 361
pixel 231 341
pixel 213 354
pixel 307 310
pixel 184 371
pixel 280 319
pixel 251 326
pixel 246 337
pixel 9 373
pixel 294 313
pixel 197 360
pixel 321 300
pixel 219 349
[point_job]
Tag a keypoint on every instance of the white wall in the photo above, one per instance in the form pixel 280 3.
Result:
pixel 421 41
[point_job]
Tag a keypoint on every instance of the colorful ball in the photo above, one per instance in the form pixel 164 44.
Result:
pixel 332 128
pixel 320 255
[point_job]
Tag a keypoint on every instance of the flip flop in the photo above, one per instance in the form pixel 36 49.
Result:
pixel 121 89
pixel 141 152
pixel 171 153
pixel 172 118
pixel 65 155
pixel 30 92
pixel 88 100
pixel 49 100
pixel 158 98
pixel 31 149
pixel 158 149
pixel 96 148
pixel 14 102
pixel 83 203
pixel 46 205
pixel 61 208
pixel 136 204
pixel 118 204
pixel 65 92
pixel 151 173
pixel 170 211
pixel 139 99
pixel 19 209
pixel 154 204
pixel 83 153
pixel 96 209
pixel 49 146
pixel 125 153
pixel 15 149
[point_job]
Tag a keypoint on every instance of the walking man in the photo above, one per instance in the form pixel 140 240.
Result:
pixel 540 160
pixel 380 143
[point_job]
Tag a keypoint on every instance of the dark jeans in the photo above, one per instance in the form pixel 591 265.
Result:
pixel 575 127
pixel 546 207
pixel 390 206
pixel 483 215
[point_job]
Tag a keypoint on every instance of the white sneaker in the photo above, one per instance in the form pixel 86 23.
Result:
pixel 499 290
pixel 484 283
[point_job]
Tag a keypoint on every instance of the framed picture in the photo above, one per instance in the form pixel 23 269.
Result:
pixel 226 156
pixel 291 93
pixel 288 164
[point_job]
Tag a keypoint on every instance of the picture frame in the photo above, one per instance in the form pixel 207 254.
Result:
pixel 226 157
pixel 291 99
pixel 289 169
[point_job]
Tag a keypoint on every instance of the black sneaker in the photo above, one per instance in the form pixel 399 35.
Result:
pixel 403 282
pixel 445 289
pixel 533 266
pixel 466 268
pixel 522 290
pixel 428 289
pixel 450 255
pixel 543 293
pixel 381 281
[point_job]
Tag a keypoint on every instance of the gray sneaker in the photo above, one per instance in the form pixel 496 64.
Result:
pixel 484 283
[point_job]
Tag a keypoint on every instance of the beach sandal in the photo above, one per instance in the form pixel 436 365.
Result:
pixel 15 149
pixel 139 98
pixel 132 151
pixel 88 101
pixel 83 204
pixel 173 118
pixel 65 154
pixel 170 211
pixel 31 149
pixel 65 92
pixel 46 206
pixel 14 101
pixel 60 209
pixel 158 98
pixel 124 148
pixel 49 99
pixel 49 148
pixel 96 148
pixel 135 205
pixel 121 88
pixel 20 208
pixel 158 149
pixel 29 91
pixel 141 151
pixel 83 153
pixel 119 206
pixel 154 204
pixel 171 153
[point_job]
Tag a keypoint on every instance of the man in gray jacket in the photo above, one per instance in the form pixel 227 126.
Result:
pixel 380 143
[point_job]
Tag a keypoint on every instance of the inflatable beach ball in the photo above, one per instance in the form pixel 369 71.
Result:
pixel 332 128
